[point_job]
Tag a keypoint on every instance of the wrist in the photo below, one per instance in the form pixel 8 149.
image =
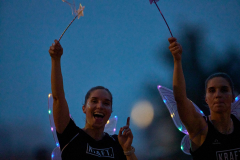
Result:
pixel 129 151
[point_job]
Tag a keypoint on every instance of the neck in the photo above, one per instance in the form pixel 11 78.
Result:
pixel 96 134
pixel 223 123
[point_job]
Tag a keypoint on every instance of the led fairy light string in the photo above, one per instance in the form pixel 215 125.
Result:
pixel 155 1
pixel 78 13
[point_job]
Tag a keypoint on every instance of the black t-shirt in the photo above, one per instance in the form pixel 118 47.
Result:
pixel 75 144
pixel 218 146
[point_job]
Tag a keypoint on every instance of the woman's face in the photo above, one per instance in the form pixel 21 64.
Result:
pixel 98 108
pixel 219 95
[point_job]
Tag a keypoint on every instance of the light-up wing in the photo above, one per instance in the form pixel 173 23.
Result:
pixel 50 112
pixel 186 145
pixel 235 110
pixel 111 125
pixel 169 100
pixel 56 153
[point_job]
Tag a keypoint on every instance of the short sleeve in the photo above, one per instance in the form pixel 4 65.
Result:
pixel 70 132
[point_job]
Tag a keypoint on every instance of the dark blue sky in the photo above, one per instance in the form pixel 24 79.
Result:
pixel 113 45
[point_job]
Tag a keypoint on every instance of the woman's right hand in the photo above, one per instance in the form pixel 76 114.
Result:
pixel 56 50
pixel 175 48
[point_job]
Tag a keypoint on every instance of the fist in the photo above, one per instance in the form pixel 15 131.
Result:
pixel 56 50
pixel 175 48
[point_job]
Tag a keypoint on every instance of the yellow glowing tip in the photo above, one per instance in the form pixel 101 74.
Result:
pixel 107 121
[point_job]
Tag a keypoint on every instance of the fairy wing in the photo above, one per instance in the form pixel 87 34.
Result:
pixel 235 109
pixel 111 125
pixel 56 153
pixel 110 128
pixel 186 145
pixel 169 100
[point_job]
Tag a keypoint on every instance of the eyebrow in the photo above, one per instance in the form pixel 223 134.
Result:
pixel 104 99
pixel 217 87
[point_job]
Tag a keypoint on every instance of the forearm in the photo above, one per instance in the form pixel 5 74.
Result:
pixel 179 86
pixel 57 80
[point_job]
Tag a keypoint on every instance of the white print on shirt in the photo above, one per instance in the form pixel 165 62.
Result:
pixel 103 152
pixel 233 154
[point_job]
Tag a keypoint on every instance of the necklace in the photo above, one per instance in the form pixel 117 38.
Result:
pixel 228 131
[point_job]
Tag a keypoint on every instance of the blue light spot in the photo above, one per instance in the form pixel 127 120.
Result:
pixel 201 112
pixel 236 99
pixel 115 116
pixel 181 147
pixel 164 101
pixel 57 144
pixel 52 155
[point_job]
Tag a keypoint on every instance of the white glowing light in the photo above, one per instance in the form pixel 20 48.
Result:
pixel 142 114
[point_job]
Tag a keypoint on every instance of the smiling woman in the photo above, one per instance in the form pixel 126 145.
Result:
pixel 91 142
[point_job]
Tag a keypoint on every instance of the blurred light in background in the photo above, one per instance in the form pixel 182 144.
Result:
pixel 142 114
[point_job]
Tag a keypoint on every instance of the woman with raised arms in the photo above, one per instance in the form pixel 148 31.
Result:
pixel 90 142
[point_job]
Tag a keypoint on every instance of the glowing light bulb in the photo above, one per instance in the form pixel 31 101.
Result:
pixel 180 129
pixel 49 111
pixel 51 128
pixel 181 147
pixel 159 86
pixel 49 95
pixel 114 129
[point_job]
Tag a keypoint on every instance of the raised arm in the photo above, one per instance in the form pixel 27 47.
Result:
pixel 193 121
pixel 60 106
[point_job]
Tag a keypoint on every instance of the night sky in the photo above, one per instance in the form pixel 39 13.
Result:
pixel 113 45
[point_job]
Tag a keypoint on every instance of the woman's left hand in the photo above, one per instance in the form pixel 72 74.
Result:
pixel 125 137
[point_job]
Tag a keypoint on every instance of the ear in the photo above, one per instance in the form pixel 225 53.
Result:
pixel 84 109
pixel 205 99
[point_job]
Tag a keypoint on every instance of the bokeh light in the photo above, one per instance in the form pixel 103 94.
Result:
pixel 142 114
